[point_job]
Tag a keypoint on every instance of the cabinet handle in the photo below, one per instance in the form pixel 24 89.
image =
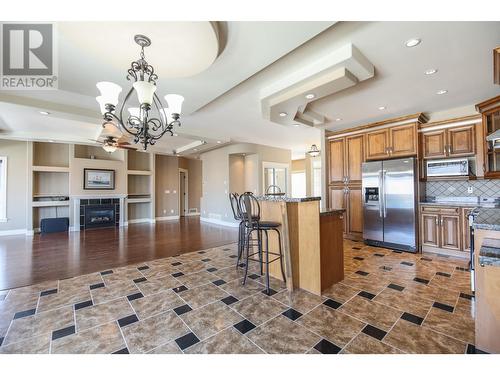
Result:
pixel 437 221
pixel 449 149
pixel 441 222
pixel 444 150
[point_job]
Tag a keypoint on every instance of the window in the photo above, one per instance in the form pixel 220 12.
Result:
pixel 3 188
pixel 316 178
pixel 298 184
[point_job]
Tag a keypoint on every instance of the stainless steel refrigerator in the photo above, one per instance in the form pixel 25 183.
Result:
pixel 389 203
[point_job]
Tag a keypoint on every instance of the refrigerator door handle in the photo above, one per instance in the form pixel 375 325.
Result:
pixel 381 194
pixel 384 173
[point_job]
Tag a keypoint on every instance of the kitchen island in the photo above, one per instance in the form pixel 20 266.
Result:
pixel 311 241
pixel 487 278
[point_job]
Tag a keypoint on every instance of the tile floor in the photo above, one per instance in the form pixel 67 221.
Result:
pixel 389 302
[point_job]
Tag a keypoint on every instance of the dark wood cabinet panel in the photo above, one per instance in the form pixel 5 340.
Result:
pixel 403 140
pixel 377 144
pixel 354 158
pixel 336 161
pixel 461 141
pixel 434 144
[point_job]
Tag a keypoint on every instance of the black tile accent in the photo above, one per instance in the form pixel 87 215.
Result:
pixel 374 332
pixel 108 272
pixel 142 268
pixel 362 273
pixel 412 318
pixel 229 300
pixel 471 349
pixel 177 274
pixel 116 200
pixel 420 280
pixel 244 326
pixel 292 314
pixel 179 289
pixel 176 264
pixel 63 332
pixel 466 296
pixel 233 256
pixel 396 287
pixel 326 347
pixel 426 259
pixel 241 265
pixel 96 286
pixel 359 258
pixel 443 306
pixel 206 260
pixel 219 282
pixel 94 201
pixel 135 296
pixel 332 303
pixel 272 292
pixel 186 341
pixel 201 252
pixel 84 202
pixel 386 268
pixel 407 263
pixel 254 276
pixel 397 251
pixel 366 294
pixel 443 255
pixel 213 269
pixel 1 340
pixel 443 274
pixel 226 249
pixel 106 201
pixel 81 305
pixel 25 313
pixel 127 320
pixel 182 309
pixel 140 280
pixel 462 269
pixel 47 292
pixel 121 351
pixel 379 255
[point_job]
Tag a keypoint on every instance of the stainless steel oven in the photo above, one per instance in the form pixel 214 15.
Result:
pixel 448 167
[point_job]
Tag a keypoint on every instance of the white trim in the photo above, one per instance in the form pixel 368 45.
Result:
pixel 450 125
pixel 186 192
pixel 143 220
pixel 366 130
pixel 13 232
pixel 164 218
pixel 219 222
pixel 193 214
pixel 3 189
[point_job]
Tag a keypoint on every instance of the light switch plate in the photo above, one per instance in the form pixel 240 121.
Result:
pixel 470 190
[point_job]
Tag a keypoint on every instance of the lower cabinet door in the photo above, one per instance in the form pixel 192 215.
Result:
pixel 337 200
pixel 355 211
pixel 450 232
pixel 430 229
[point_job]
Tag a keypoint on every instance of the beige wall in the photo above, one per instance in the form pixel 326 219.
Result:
pixel 167 185
pixel 17 180
pixel 236 174
pixel 195 184
pixel 76 176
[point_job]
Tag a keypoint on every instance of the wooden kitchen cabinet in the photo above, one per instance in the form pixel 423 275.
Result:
pixel 429 224
pixel 466 228
pixel 452 142
pixel 403 140
pixel 490 111
pixel 336 161
pixel 377 144
pixel 450 232
pixel 338 201
pixel 354 158
pixel 434 144
pixel 354 211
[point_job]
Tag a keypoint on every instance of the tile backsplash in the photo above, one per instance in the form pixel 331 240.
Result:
pixel 481 188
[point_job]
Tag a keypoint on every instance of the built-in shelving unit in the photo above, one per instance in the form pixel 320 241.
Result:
pixel 97 153
pixel 49 182
pixel 140 186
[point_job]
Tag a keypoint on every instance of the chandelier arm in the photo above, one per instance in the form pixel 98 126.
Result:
pixel 159 107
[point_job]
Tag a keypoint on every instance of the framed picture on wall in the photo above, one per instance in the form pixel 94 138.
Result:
pixel 98 179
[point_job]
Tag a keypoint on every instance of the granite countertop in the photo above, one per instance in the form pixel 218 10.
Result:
pixel 487 218
pixel 284 198
pixel 489 255
pixel 461 201
pixel 455 204
pixel 328 211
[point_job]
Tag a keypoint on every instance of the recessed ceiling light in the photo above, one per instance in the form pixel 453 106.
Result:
pixel 283 114
pixel 219 142
pixel 195 149
pixel 51 141
pixel 441 92
pixel 296 125
pixel 382 108
pixel 45 113
pixel 412 42
pixel 430 71
pixel 176 135
pixel 310 96
pixel 338 119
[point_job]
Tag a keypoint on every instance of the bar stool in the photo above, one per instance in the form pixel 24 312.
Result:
pixel 250 212
pixel 235 207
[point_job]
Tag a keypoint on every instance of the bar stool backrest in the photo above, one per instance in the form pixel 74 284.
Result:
pixel 250 209
pixel 235 206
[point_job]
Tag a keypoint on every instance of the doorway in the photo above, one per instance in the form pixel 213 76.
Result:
pixel 183 192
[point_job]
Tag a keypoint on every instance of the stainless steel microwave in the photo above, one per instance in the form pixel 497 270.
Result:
pixel 448 167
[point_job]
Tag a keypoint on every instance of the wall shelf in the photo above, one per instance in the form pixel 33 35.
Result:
pixel 139 172
pixel 138 200
pixel 50 203
pixel 40 168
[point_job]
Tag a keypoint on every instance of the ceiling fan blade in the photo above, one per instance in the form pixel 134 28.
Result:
pixel 95 141
pixel 121 145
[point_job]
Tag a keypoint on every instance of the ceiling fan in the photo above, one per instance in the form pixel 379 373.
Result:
pixel 110 143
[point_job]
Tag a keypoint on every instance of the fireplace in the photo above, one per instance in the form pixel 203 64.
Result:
pixel 99 213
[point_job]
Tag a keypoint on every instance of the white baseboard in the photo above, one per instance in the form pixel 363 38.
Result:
pixel 12 232
pixel 163 218
pixel 138 221
pixel 219 222
pixel 192 214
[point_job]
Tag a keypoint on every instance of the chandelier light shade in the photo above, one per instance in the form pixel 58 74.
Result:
pixel 109 148
pixel 151 120
pixel 313 151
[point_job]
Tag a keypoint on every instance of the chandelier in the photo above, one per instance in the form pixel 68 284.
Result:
pixel 313 151
pixel 151 120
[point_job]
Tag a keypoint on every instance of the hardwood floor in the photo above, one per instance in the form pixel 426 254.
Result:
pixel 30 260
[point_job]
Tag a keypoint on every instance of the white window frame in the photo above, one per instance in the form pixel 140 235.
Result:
pixel 305 183
pixel 3 190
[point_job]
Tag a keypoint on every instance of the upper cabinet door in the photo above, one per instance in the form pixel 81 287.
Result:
pixel 336 162
pixel 354 158
pixel 461 141
pixel 377 144
pixel 434 144
pixel 403 140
